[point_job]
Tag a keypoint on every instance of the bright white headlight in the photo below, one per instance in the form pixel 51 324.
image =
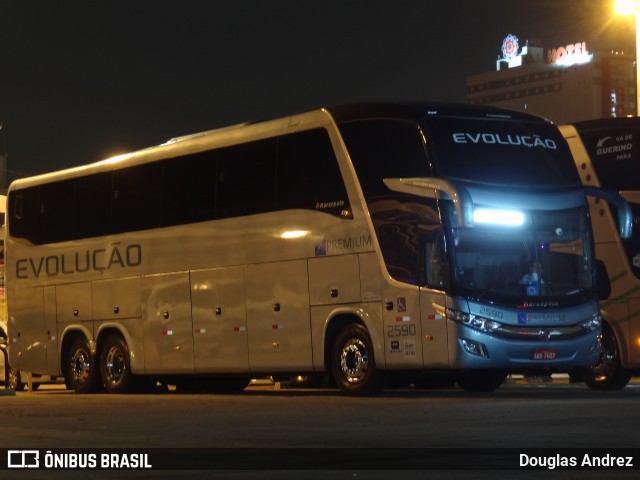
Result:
pixel 498 217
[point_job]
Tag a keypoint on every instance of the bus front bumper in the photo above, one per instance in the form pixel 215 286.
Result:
pixel 471 348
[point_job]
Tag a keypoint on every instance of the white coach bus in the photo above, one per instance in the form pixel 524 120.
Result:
pixel 357 241
pixel 607 154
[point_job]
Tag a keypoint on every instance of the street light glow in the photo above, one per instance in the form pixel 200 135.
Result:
pixel 631 7
pixel 625 7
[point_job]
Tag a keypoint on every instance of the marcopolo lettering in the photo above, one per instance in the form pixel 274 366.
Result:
pixel 487 138
pixel 100 260
pixel 324 205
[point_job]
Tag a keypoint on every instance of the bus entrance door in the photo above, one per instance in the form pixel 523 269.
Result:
pixel 403 348
pixel 435 352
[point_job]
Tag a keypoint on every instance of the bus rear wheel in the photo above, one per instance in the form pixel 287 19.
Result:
pixel 115 368
pixel 352 362
pixel 81 372
pixel 607 374
pixel 15 381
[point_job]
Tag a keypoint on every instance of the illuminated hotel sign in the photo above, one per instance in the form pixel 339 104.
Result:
pixel 570 55
pixel 514 55
pixel 510 54
pixel 510 47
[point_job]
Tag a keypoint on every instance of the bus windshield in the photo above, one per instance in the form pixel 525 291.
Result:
pixel 494 152
pixel 538 254
pixel 490 261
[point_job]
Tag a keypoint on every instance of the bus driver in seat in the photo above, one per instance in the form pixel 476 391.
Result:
pixel 534 275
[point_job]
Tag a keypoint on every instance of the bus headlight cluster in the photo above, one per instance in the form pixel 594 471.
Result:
pixel 473 321
pixel 475 348
pixel 593 324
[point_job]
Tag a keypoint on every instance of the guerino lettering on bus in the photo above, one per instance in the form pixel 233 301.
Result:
pixel 100 260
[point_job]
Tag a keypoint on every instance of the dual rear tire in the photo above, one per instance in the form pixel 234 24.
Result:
pixel 110 371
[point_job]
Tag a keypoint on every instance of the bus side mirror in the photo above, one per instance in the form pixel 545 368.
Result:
pixel 428 186
pixel 625 214
pixel 603 286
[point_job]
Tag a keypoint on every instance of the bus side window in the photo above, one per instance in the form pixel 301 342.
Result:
pixel 398 242
pixel 24 207
pixel 56 206
pixel 246 182
pixel 92 206
pixel 309 176
pixel 189 188
pixel 136 198
pixel 403 226
pixel 17 206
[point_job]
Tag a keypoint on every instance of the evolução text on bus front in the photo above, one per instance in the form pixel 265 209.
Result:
pixel 509 139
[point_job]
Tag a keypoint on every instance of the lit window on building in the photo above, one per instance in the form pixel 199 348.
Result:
pixel 614 102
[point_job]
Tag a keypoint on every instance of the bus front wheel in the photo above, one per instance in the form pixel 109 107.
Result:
pixel 82 371
pixel 352 362
pixel 607 374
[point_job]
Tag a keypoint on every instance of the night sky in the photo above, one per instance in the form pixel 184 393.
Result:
pixel 81 81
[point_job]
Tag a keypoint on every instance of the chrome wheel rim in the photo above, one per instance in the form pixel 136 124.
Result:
pixel 80 365
pixel 114 365
pixel 354 360
pixel 607 364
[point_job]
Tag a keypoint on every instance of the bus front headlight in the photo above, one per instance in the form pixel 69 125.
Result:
pixel 473 321
pixel 593 324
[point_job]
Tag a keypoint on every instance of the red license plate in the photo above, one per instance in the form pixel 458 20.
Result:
pixel 543 355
